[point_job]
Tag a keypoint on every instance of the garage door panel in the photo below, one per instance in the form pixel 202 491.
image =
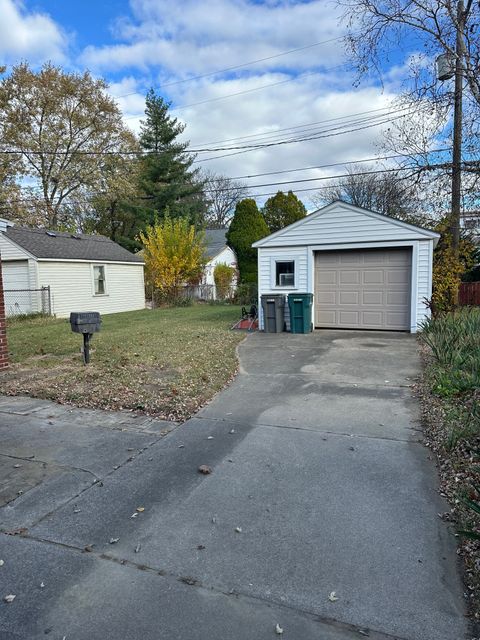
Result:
pixel 373 277
pixel 348 277
pixel 373 297
pixel 347 318
pixel 367 289
pixel 327 297
pixel 326 277
pixel 348 297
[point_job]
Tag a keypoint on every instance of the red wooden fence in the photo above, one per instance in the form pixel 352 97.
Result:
pixel 469 293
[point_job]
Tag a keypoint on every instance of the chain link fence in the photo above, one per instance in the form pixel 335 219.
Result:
pixel 25 302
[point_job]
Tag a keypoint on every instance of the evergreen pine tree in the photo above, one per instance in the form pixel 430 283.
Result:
pixel 166 176
pixel 247 226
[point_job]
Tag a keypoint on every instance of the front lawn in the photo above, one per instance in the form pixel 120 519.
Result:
pixel 165 362
pixel 450 393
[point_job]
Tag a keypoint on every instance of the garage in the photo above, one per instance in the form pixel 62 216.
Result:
pixel 364 269
pixel 363 289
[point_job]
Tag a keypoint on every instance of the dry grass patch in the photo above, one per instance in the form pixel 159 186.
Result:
pixel 165 362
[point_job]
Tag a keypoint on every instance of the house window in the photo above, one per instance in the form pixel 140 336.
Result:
pixel 99 280
pixel 285 274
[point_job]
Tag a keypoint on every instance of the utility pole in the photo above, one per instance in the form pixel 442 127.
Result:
pixel 457 133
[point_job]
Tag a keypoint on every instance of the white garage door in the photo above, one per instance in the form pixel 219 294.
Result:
pixel 363 289
pixel 18 300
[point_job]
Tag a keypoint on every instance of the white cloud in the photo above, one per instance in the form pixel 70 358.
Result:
pixel 164 43
pixel 190 37
pixel 29 35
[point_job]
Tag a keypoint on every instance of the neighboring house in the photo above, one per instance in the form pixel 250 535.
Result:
pixel 218 253
pixel 84 272
pixel 365 270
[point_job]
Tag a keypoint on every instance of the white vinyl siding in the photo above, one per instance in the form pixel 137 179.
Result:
pixel 72 287
pixel 10 251
pixel 340 223
pixel 267 259
pixel 424 278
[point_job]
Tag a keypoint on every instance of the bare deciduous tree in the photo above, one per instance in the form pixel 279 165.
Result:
pixel 222 195
pixel 386 192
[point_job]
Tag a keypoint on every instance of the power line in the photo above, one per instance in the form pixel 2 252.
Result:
pixel 335 164
pixel 300 126
pixel 239 66
pixel 330 130
pixel 239 93
pixel 321 178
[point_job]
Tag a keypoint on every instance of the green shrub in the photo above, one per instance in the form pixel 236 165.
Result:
pixel 454 340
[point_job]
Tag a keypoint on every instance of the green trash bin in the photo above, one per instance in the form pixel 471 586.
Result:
pixel 300 306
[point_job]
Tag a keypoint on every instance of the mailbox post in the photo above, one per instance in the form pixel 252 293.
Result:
pixel 87 323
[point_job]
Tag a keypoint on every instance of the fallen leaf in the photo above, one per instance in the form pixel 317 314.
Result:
pixel 113 540
pixel 333 596
pixel 9 598
pixel 278 629
pixel 140 509
pixel 205 469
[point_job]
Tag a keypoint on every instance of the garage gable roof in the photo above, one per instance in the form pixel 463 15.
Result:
pixel 340 222
pixel 57 245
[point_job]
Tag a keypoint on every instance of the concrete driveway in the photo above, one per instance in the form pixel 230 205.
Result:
pixel 319 484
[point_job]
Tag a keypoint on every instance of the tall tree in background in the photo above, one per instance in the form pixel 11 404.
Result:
pixel 166 176
pixel 283 209
pixel 116 210
pixel 221 194
pixel 384 192
pixel 247 226
pixel 62 125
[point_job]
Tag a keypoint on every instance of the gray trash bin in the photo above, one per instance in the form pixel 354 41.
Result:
pixel 273 307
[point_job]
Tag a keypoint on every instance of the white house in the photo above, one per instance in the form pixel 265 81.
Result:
pixel 365 270
pixel 218 252
pixel 83 272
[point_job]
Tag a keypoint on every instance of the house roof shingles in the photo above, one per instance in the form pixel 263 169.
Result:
pixel 215 241
pixel 68 246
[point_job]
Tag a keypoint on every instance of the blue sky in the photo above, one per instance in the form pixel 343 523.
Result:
pixel 143 43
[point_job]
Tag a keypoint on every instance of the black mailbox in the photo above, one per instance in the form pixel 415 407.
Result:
pixel 87 323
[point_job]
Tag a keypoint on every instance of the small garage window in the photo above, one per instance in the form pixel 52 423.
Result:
pixel 285 273
pixel 99 280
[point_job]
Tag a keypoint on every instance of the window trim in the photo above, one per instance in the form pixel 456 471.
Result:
pixel 273 272
pixel 105 281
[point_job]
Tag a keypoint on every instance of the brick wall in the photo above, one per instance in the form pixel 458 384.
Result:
pixel 3 330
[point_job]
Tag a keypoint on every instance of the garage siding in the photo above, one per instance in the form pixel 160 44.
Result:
pixel 71 285
pixel 424 281
pixel 266 273
pixel 344 225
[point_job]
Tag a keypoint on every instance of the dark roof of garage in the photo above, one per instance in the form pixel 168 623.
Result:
pixel 67 246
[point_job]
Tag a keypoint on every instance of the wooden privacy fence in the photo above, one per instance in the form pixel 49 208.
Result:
pixel 469 293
